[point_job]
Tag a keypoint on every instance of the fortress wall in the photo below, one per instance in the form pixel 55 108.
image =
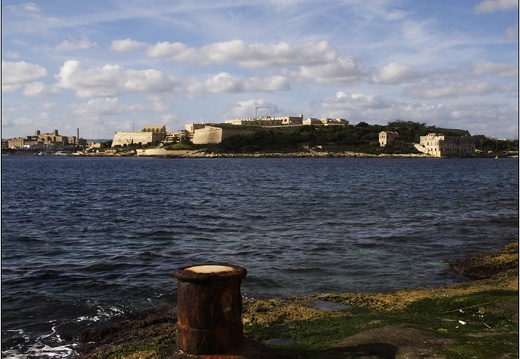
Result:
pixel 206 135
pixel 210 134
pixel 126 138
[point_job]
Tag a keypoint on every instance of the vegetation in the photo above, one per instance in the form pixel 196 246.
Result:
pixel 459 325
pixel 181 145
pixel 360 138
pixel 476 319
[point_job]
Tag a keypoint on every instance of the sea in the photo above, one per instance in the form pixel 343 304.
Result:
pixel 87 240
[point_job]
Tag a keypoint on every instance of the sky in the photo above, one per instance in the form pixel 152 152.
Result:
pixel 117 65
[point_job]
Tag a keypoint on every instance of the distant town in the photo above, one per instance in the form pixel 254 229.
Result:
pixel 287 134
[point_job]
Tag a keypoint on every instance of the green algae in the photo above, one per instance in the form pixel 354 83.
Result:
pixel 140 350
pixel 477 319
pixel 474 322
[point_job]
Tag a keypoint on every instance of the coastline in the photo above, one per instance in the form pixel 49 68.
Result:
pixel 163 153
pixel 435 322
pixel 313 154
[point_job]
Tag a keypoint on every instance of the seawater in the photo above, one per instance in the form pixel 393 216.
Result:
pixel 85 240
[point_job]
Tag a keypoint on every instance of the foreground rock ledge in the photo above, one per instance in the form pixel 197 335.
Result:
pixel 386 325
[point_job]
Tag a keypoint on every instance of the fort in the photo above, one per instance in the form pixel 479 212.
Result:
pixel 150 134
pixel 208 133
pixel 216 133
pixel 156 140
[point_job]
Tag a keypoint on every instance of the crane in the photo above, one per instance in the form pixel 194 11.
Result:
pixel 257 107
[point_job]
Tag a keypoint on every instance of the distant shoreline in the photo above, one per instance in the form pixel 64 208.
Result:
pixel 161 153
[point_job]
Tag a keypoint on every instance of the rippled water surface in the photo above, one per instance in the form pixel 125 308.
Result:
pixel 87 239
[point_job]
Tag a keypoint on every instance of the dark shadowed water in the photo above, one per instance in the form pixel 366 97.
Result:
pixel 87 239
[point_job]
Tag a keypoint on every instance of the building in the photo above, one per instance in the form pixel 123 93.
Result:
pixel 216 133
pixel 325 121
pixel 389 138
pixel 267 121
pixel 177 136
pixel 440 145
pixel 47 141
pixel 153 134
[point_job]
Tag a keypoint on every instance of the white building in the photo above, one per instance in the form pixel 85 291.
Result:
pixel 325 121
pixel 439 145
pixel 268 121
pixel 388 138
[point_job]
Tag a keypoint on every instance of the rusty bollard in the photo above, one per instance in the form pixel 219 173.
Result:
pixel 209 308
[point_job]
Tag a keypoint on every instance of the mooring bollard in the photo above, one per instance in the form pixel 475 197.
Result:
pixel 209 308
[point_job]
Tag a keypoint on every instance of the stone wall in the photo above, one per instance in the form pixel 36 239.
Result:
pixel 208 134
pixel 126 138
pixel 211 134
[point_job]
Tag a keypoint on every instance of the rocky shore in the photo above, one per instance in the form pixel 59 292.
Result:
pixel 159 152
pixel 473 319
pixel 164 153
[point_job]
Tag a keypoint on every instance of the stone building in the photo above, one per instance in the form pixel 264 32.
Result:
pixel 153 134
pixel 213 133
pixel 47 141
pixel 389 138
pixel 440 145
pixel 325 121
pixel 175 136
pixel 268 121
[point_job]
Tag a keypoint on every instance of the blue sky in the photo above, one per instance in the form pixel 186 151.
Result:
pixel 106 66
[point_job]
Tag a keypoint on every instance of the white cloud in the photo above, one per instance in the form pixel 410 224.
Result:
pixel 496 69
pixel 225 82
pixel 259 55
pixel 248 55
pixel 395 73
pixel 156 104
pixel 104 107
pixel 317 61
pixel 16 74
pixel 162 49
pixel 478 117
pixel 475 88
pixel 111 80
pixel 38 89
pixel 68 45
pixel 16 122
pixel 489 6
pixel 342 71
pixel 29 7
pixel 126 45
pixel 355 102
pixel 112 106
